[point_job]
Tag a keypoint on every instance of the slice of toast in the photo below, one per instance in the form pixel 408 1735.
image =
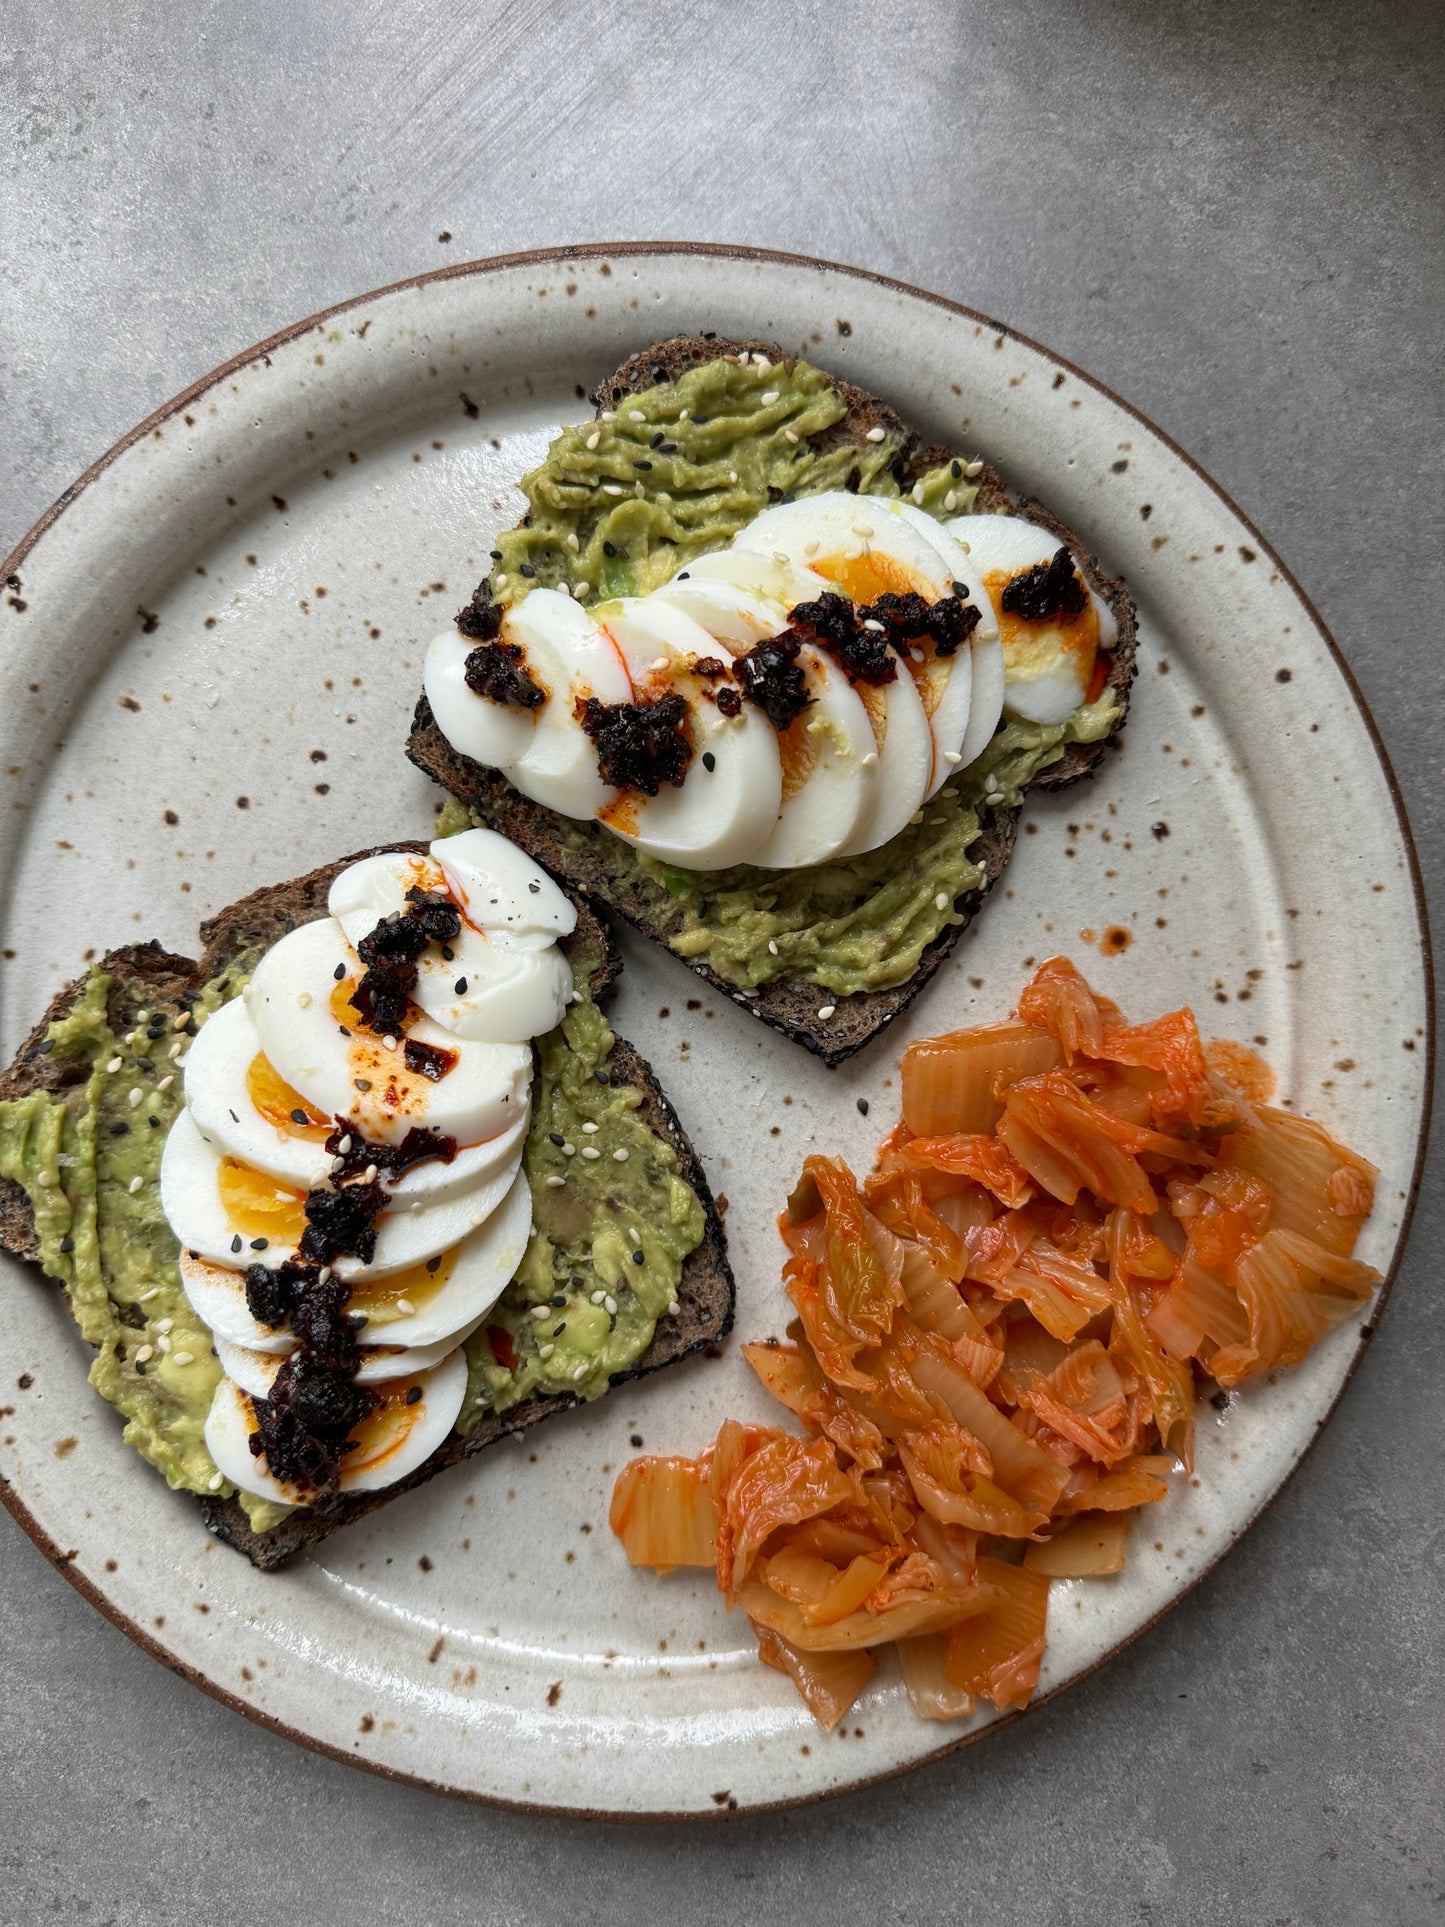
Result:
pixel 789 1004
pixel 146 977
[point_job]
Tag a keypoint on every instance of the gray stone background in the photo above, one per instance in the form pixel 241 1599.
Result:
pixel 1229 211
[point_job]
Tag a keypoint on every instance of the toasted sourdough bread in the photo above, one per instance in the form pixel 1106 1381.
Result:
pixel 789 1004
pixel 146 977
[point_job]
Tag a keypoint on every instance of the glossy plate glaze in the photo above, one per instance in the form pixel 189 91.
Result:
pixel 209 653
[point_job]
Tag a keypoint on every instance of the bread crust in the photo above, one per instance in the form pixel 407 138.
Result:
pixel 791 1005
pixel 146 977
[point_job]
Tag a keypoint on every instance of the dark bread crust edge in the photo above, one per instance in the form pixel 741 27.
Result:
pixel 790 1005
pixel 145 974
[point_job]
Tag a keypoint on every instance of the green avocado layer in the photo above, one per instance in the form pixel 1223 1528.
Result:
pixel 617 507
pixel 88 1159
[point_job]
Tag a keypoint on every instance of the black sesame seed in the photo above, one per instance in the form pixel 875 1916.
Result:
pixel 527 570
pixel 709 761
pixel 666 448
pixel 602 1077
pixel 862 1107
pixel 558 1299
pixel 259 1244
pixel 299 1117
pixel 154 1123
pixel 557 1330
pixel 119 1130
pixel 701 421
pixel 556 1137
pixel 496 554
pixel 639 1257
pixel 448 953
pixel 460 987
pixel 234 1118
pixel 607 549
pixel 955 469
pixel 67 1244
pixel 656 441
pixel 236 1242
pixel 535 888
pixel 339 972
pixel 413 1397
pixel 642 464
pixel 46 1046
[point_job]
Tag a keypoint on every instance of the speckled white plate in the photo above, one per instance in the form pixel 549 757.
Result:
pixel 209 652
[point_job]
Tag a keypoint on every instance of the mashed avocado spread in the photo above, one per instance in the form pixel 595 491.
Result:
pixel 617 508
pixel 88 1158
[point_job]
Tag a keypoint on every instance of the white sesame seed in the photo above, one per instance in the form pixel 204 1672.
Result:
pixel 579 1374
pixel 761 363
pixel 973 468
pixel 499 580
pixel 870 761
pixel 145 1352
pixel 864 531
pixel 918 493
pixel 165 1324
pixel 950 792
pixel 166 1082
pixel 598 1296
pixel 940 902
pixel 934 821
pixel 183 1358
pixel 215 1482
pixel 135 1095
pixel 554 1183
pixel 539 1312
pixel 789 436
pixel 135 1184
pixel 573 541
pixel 580 589
pixel 619 1156
pixel 636 415
pixel 952 756
pixel 405 1307
pixel 826 1011
pixel 45 1180
pixel 594 438
pixel 733 476
pixel 916 655
pixel 609 1305
pixel 611 488
pixel 345 1144
pixel 994 796
pixel 113 1066
pixel 811 548
pixel 163 1344
pixel 569 1150
pixel 175 1050
pixel 769 397
pixel 589 1127
pixel 772 948
pixel 635 1235
pixel 658 662
pixel 638 489
pixel 590 1151
pixel 303 999
pixel 683 413
pixel 546 1351
pixel 146 1296
pixel 370 1177
pixel 182 1020
pixel 608 415
pixel 673 1309
pixel 874 435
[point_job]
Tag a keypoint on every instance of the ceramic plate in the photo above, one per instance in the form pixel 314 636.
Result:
pixel 210 650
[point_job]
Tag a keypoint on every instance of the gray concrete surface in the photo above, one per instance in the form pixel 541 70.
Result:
pixel 1229 212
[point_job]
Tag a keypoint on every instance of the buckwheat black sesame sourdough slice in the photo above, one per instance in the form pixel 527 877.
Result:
pixel 85 1108
pixel 695 437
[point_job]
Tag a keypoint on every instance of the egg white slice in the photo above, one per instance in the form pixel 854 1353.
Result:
pixel 830 770
pixel 393 1441
pixel 494 734
pixel 473 1275
pixel 494 986
pixel 772 579
pixel 571 658
pixel 853 542
pixel 498 887
pixel 905 750
pixel 407 1232
pixel 347 1071
pixel 254 1370
pixel 1047 664
pixel 728 801
pixel 221 1106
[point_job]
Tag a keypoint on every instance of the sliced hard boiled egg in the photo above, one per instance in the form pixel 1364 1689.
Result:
pixel 394 1439
pixel 728 800
pixel 572 659
pixel 491 733
pixel 254 1370
pixel 1048 661
pixel 854 542
pixel 905 750
pixel 498 887
pixel 496 985
pixel 299 1001
pixel 829 768
pixel 244 1109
